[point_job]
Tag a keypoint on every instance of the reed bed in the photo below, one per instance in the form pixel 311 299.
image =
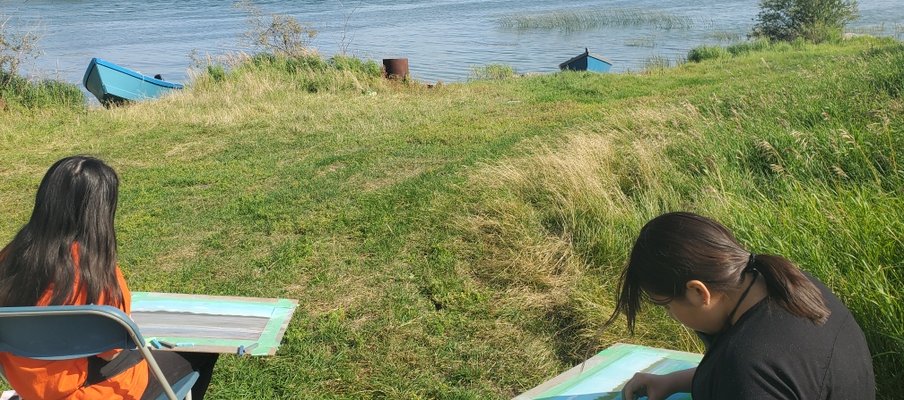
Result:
pixel 895 30
pixel 657 62
pixel 641 42
pixel 726 36
pixel 591 19
pixel 875 30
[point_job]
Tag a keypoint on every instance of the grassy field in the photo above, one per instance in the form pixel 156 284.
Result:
pixel 462 241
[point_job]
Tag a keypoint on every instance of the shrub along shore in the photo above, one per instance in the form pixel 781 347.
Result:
pixel 463 241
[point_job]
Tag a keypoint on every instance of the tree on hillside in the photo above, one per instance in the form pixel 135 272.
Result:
pixel 813 20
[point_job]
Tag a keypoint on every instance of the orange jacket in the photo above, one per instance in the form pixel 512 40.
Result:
pixel 38 379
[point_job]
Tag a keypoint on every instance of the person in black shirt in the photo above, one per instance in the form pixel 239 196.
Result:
pixel 771 330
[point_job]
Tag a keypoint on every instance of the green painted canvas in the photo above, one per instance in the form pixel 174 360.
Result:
pixel 212 324
pixel 604 375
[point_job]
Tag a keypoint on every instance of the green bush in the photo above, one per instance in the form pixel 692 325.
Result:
pixel 759 44
pixel 292 65
pixel 16 90
pixel 356 65
pixel 311 73
pixel 280 34
pixel 813 20
pixel 284 46
pixel 15 48
pixel 705 52
pixel 216 72
pixel 492 72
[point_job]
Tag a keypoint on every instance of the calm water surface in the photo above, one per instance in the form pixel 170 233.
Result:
pixel 442 39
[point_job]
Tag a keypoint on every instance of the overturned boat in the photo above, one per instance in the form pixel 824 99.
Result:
pixel 113 84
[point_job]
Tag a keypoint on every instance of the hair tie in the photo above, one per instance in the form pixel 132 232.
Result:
pixel 751 263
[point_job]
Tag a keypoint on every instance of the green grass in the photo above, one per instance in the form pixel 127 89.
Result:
pixel 463 241
pixel 711 52
pixel 492 72
pixel 21 94
pixel 705 52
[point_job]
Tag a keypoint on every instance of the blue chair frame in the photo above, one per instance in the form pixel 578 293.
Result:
pixel 70 332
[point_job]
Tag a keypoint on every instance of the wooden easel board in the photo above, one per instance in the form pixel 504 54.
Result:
pixel 605 374
pixel 213 324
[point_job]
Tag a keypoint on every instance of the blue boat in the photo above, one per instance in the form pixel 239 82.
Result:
pixel 586 62
pixel 112 84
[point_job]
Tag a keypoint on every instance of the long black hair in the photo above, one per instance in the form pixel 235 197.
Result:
pixel 75 204
pixel 677 247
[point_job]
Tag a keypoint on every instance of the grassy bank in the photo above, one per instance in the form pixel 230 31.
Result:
pixel 462 241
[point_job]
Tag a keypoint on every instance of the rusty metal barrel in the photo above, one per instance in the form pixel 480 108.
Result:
pixel 395 68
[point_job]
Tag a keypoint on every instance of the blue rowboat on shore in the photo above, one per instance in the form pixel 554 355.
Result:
pixel 113 84
pixel 587 62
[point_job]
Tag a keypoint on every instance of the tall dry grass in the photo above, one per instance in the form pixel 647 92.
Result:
pixel 804 164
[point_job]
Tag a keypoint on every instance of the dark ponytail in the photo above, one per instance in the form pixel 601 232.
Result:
pixel 677 247
pixel 791 289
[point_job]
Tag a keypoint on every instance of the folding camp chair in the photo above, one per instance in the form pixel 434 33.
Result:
pixel 69 332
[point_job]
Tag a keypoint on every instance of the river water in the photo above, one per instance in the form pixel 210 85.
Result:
pixel 443 39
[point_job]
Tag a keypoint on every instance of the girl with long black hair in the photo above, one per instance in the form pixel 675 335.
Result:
pixel 66 255
pixel 772 331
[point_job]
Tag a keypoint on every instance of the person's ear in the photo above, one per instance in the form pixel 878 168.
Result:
pixel 697 293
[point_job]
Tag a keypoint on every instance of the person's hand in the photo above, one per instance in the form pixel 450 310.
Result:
pixel 658 387
pixel 655 387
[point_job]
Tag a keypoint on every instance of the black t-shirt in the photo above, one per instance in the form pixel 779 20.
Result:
pixel 772 354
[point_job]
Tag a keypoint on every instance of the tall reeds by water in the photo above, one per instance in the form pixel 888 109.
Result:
pixel 589 19
pixel 727 36
pixel 895 30
pixel 641 42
